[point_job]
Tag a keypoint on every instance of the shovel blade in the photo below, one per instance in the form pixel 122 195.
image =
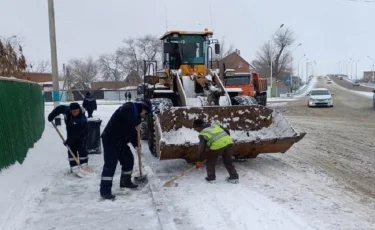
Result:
pixel 88 169
pixel 81 173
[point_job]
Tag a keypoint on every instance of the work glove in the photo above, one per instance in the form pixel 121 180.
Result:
pixel 67 142
pixel 199 164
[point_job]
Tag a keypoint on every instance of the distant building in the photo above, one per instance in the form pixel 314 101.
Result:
pixel 368 75
pixel 38 77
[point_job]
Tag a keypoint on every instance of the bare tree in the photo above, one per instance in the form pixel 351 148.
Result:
pixel 83 71
pixel 42 66
pixel 281 58
pixel 12 61
pixel 136 50
pixel 111 67
pixel 225 50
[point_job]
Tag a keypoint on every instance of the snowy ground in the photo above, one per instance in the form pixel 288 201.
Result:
pixel 323 182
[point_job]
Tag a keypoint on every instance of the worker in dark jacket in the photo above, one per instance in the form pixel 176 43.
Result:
pixel 120 130
pixel 89 103
pixel 219 142
pixel 77 131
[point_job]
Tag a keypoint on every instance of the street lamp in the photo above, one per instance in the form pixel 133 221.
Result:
pixel 299 75
pixel 291 77
pixel 372 67
pixel 271 53
pixel 346 68
pixel 52 34
pixel 356 72
pixel 307 69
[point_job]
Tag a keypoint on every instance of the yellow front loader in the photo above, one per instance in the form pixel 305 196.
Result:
pixel 188 87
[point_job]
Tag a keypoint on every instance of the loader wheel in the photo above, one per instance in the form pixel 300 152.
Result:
pixel 144 130
pixel 158 105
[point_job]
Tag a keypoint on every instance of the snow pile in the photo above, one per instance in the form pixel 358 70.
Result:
pixel 304 90
pixel 348 80
pixel 360 93
pixel 181 136
pixel 279 128
pixel 23 186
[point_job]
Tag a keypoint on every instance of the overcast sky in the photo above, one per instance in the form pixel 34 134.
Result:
pixel 329 30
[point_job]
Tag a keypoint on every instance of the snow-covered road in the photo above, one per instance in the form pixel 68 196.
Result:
pixel 326 181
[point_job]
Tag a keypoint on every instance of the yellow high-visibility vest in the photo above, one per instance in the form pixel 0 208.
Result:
pixel 217 138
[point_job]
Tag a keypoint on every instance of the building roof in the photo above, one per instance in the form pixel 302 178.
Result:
pixel 109 85
pixel 235 53
pixel 37 77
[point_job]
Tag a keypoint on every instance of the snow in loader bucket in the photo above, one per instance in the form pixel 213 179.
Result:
pixel 255 129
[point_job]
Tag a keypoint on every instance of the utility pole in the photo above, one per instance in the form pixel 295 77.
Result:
pixel 356 70
pixel 299 73
pixel 271 54
pixel 373 66
pixel 307 70
pixel 52 34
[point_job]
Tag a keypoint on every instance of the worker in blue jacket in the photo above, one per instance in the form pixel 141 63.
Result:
pixel 120 130
pixel 89 103
pixel 77 131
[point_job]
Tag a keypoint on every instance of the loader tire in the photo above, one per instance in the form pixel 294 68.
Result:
pixel 243 100
pixel 158 105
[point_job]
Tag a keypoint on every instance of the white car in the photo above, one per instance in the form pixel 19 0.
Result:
pixel 320 97
pixel 329 81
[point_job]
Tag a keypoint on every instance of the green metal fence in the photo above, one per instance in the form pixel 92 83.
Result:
pixel 21 119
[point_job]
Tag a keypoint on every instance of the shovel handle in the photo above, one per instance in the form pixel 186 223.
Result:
pixel 170 183
pixel 139 150
pixel 70 151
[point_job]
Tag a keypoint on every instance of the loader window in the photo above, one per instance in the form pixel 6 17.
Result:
pixel 185 49
pixel 238 80
pixel 192 49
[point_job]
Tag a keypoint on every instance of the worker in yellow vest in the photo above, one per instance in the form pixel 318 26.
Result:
pixel 219 142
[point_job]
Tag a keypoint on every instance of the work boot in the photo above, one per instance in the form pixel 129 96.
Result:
pixel 108 196
pixel 126 182
pixel 211 180
pixel 233 180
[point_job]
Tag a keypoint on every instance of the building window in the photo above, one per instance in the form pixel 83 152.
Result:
pixel 240 65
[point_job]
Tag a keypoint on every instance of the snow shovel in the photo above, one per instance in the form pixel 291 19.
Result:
pixel 170 183
pixel 81 172
pixel 141 179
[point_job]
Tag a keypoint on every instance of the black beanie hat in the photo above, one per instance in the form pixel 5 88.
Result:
pixel 146 104
pixel 74 106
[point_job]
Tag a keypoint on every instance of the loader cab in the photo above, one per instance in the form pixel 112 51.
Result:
pixel 182 48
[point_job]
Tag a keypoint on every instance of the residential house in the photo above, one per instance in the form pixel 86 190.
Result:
pixel 38 77
pixel 232 61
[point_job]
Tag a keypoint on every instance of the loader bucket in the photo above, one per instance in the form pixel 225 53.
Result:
pixel 255 129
